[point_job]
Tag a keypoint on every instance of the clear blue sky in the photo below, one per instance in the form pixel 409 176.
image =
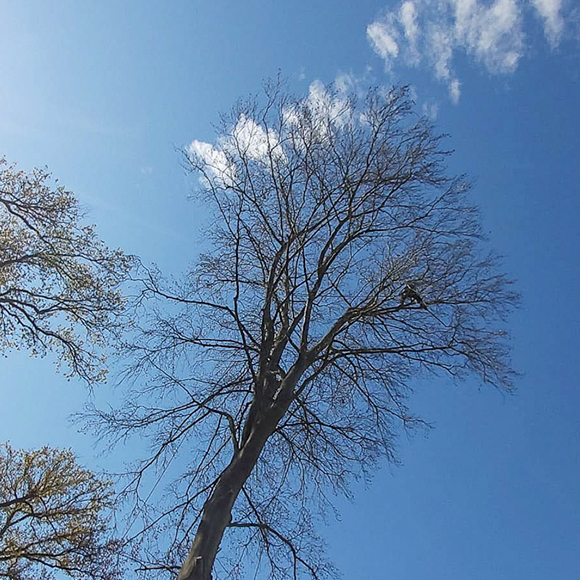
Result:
pixel 104 93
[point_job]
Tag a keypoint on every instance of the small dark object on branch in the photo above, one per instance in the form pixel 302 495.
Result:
pixel 409 293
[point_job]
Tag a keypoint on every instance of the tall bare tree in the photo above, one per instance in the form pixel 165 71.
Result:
pixel 59 284
pixel 344 262
pixel 54 518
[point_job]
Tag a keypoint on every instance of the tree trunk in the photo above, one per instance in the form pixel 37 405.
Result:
pixel 217 509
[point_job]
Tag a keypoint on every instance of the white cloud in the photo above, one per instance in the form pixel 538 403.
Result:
pixel 440 42
pixel 348 83
pixel 494 34
pixel 247 139
pixel 408 19
pixel 215 162
pixel 327 107
pixel 430 109
pixel 454 91
pixel 382 36
pixel 551 13
pixel 253 140
pixel 432 32
pixel 345 82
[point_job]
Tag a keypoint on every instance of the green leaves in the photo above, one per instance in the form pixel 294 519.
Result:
pixel 53 515
pixel 59 283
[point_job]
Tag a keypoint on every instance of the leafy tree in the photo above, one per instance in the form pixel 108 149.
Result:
pixel 59 284
pixel 344 263
pixel 52 517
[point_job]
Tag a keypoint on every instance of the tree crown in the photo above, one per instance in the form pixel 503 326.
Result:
pixel 59 283
pixel 53 516
pixel 344 262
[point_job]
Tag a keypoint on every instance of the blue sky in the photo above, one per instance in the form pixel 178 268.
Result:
pixel 105 93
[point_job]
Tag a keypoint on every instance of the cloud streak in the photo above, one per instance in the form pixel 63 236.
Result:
pixel 430 32
pixel 550 11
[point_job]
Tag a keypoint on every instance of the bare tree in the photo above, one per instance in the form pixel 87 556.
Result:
pixel 59 284
pixel 344 263
pixel 53 517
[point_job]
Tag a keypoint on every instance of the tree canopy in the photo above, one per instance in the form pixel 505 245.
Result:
pixel 53 517
pixel 344 263
pixel 59 283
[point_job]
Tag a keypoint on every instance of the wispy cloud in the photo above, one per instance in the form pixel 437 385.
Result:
pixel 247 139
pixel 430 109
pixel 430 32
pixel 250 141
pixel 216 162
pixel 550 11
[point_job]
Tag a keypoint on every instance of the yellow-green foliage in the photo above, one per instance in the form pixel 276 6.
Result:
pixel 59 283
pixel 53 516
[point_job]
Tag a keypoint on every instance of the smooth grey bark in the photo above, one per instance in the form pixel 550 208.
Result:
pixel 218 508
pixel 217 511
